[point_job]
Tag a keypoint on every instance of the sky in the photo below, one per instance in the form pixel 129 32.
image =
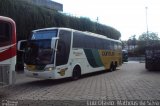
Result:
pixel 127 16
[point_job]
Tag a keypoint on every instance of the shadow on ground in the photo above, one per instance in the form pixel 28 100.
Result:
pixel 50 82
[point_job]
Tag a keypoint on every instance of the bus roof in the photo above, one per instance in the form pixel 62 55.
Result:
pixel 7 19
pixel 84 32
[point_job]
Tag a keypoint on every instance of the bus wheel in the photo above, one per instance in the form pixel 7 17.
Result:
pixel 76 73
pixel 115 66
pixel 111 67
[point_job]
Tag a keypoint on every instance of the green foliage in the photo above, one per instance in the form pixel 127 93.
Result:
pixel 29 17
pixel 145 40
pixel 150 36
pixel 124 44
pixel 132 41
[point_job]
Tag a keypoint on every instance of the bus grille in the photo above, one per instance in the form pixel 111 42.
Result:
pixel 4 74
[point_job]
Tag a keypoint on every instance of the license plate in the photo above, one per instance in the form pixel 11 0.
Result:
pixel 35 74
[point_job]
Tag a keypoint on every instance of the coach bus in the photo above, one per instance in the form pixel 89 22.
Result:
pixel 152 56
pixel 54 53
pixel 7 51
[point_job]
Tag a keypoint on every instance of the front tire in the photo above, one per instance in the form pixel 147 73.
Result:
pixel 76 73
pixel 115 66
pixel 111 67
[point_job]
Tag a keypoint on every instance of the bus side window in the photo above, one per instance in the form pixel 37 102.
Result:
pixel 106 45
pixel 102 43
pixel 113 45
pixel 98 43
pixel 63 47
pixel 116 46
pixel 90 42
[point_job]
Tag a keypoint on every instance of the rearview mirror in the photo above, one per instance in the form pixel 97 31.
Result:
pixel 21 45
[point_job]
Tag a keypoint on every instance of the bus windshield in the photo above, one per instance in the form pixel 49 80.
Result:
pixel 39 52
pixel 45 34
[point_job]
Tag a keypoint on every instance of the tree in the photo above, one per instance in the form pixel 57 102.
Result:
pixel 124 44
pixel 150 36
pixel 132 41
pixel 145 39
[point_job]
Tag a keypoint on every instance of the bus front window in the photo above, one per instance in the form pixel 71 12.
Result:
pixel 46 34
pixel 39 52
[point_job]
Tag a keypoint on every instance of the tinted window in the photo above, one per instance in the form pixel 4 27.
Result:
pixel 63 48
pixel 5 33
pixel 78 40
pixel 103 43
pixel 81 40
pixel 48 34
pixel 107 44
pixel 115 45
pixel 91 42
pixel 119 46
pixel 98 43
pixel 111 45
pixel 38 52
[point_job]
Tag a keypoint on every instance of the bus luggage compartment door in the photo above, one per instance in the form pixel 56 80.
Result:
pixel 4 75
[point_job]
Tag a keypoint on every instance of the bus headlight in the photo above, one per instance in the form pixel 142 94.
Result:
pixel 25 66
pixel 49 68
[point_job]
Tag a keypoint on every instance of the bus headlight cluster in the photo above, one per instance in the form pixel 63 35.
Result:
pixel 49 68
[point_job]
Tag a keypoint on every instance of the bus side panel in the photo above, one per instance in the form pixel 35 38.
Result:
pixel 87 59
pixel 102 58
pixel 79 58
pixel 93 57
pixel 93 60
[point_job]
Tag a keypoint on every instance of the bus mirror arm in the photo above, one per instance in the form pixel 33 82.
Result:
pixel 53 42
pixel 54 49
pixel 21 45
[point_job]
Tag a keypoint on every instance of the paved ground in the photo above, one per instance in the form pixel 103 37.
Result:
pixel 130 82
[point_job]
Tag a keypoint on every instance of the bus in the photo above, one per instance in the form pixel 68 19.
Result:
pixel 54 53
pixel 152 57
pixel 7 51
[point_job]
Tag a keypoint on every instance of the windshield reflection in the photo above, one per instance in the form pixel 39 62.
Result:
pixel 44 34
pixel 39 52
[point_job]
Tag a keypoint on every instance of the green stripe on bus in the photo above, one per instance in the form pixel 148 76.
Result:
pixel 93 57
pixel 97 57
pixel 90 57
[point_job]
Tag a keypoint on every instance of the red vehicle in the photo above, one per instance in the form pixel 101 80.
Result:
pixel 7 51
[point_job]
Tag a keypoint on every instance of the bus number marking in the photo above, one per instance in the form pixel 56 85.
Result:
pixel 107 53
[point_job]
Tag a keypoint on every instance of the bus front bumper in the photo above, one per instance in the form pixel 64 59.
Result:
pixel 41 75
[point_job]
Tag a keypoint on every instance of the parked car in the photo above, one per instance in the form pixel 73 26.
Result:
pixel 124 55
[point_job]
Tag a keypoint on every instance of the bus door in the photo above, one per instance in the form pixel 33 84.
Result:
pixel 63 48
